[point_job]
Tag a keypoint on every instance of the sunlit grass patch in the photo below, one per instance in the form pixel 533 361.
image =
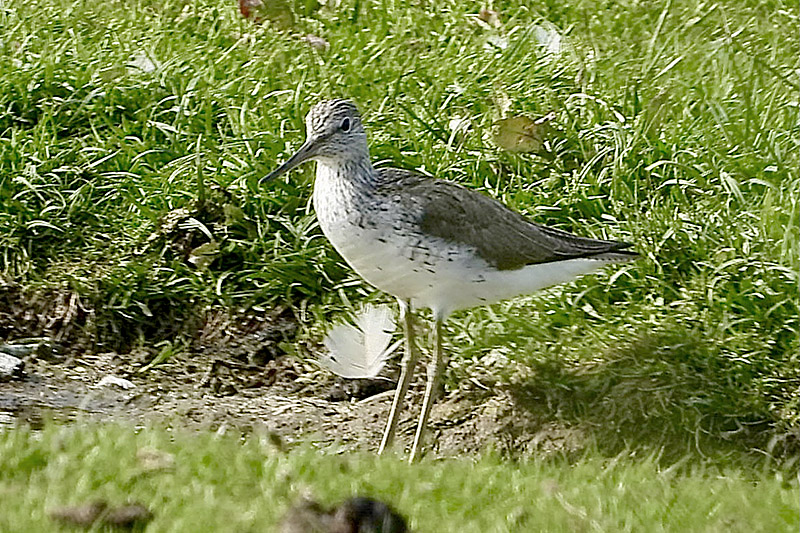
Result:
pixel 193 482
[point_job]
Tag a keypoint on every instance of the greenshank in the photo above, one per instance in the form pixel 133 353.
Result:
pixel 429 243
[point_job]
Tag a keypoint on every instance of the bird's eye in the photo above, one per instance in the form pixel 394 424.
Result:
pixel 346 124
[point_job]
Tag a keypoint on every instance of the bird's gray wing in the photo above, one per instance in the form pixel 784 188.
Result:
pixel 502 237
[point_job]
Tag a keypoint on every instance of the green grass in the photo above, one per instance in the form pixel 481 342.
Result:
pixel 225 483
pixel 676 128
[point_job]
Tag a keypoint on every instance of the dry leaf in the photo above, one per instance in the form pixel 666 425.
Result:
pixel 249 9
pixel 490 17
pixel 204 255
pixel 521 134
pixel 317 43
pixel 152 459
pixel 277 12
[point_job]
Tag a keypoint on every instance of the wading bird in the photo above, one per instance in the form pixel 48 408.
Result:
pixel 428 242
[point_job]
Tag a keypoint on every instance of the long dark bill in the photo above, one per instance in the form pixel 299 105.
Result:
pixel 303 154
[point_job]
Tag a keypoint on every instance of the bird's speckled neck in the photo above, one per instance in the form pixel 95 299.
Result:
pixel 342 189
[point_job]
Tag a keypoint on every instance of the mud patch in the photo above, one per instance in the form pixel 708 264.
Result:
pixel 296 407
pixel 232 373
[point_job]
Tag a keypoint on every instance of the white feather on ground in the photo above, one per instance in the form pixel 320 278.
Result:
pixel 361 350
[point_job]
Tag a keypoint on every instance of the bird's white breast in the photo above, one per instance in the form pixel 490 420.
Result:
pixel 369 233
pixel 383 244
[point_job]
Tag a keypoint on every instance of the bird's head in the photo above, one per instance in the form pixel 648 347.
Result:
pixel 334 132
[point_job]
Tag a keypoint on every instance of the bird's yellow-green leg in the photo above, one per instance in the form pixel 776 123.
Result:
pixel 435 368
pixel 407 369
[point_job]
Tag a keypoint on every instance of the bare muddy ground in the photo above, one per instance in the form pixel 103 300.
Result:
pixel 307 407
pixel 233 375
pixel 217 371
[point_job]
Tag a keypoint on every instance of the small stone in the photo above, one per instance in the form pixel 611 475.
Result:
pixel 366 514
pixel 128 516
pixel 83 515
pixel 355 514
pixel 317 43
pixel 10 367
pixel 114 381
